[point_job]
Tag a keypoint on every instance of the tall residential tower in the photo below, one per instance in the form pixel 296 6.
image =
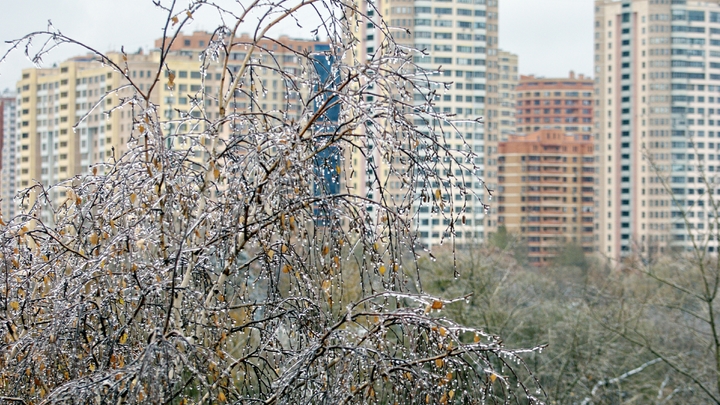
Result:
pixel 8 143
pixel 460 37
pixel 657 68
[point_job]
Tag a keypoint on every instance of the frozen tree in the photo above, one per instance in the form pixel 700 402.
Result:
pixel 227 256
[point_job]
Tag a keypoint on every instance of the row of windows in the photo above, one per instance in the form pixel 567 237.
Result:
pixel 449 48
pixel 449 35
pixel 568 120
pixel 449 61
pixel 557 94
pixel 449 10
pixel 427 22
pixel 556 111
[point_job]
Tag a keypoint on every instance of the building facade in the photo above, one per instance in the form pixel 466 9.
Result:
pixel 460 37
pixel 657 67
pixel 555 103
pixel 67 120
pixel 500 119
pixel 546 180
pixel 7 154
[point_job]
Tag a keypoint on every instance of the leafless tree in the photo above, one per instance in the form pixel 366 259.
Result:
pixel 229 269
pixel 668 307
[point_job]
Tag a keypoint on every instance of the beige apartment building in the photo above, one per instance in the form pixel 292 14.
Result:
pixel 65 121
pixel 68 120
pixel 546 181
pixel 657 69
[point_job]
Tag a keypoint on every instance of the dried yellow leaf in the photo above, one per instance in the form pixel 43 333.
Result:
pixel 171 80
pixel 437 304
pixel 14 305
pixel 325 250
pixel 123 338
pixel 133 197
pixel 382 270
pixel 175 20
pixel 439 362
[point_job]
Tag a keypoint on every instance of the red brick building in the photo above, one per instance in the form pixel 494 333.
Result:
pixel 555 103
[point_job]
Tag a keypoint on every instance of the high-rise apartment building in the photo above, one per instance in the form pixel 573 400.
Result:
pixel 555 103
pixel 65 126
pixel 657 67
pixel 506 82
pixel 460 36
pixel 546 181
pixel 7 154
pixel 500 119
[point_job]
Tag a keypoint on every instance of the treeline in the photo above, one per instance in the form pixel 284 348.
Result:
pixel 635 333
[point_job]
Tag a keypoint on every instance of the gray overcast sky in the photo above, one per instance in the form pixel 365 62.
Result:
pixel 551 37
